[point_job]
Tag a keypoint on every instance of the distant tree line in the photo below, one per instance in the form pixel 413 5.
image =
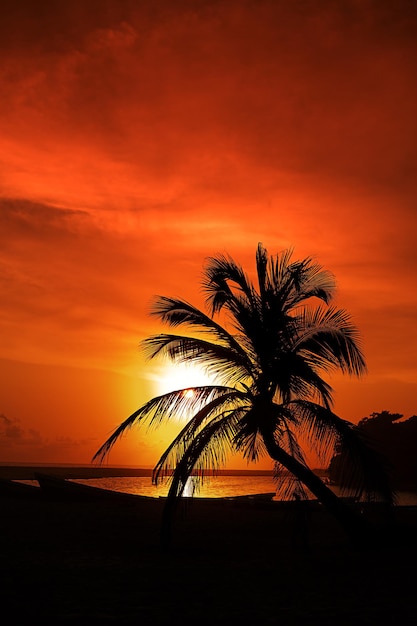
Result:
pixel 395 440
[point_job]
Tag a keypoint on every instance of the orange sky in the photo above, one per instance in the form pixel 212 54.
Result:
pixel 137 138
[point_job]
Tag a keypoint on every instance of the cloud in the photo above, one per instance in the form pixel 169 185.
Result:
pixel 66 282
pixel 16 442
pixel 136 139
pixel 200 98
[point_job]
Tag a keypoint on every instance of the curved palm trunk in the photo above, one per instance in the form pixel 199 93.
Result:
pixel 356 526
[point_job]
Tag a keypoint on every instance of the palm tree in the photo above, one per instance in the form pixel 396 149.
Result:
pixel 268 348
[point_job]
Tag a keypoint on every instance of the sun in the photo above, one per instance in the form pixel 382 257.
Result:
pixel 180 376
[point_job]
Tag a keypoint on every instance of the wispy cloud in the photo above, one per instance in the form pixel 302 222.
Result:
pixel 138 139
pixel 16 442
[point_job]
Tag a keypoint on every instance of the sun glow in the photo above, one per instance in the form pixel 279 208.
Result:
pixel 181 376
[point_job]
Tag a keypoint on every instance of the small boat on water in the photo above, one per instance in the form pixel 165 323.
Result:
pixel 244 498
pixel 58 487
pixel 16 489
pixel 253 497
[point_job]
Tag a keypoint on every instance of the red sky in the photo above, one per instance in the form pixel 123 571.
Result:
pixel 138 138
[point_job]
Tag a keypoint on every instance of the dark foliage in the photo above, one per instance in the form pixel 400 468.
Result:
pixel 395 440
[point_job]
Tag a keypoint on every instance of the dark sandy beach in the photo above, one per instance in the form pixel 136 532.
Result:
pixel 91 562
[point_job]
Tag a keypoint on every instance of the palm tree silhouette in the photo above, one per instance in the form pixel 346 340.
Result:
pixel 268 350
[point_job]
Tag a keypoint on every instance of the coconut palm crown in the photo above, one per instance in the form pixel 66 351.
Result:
pixel 269 347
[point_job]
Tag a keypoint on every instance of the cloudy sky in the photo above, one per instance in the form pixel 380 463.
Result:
pixel 137 138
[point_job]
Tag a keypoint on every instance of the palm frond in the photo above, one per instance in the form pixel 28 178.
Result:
pixel 278 273
pixel 310 280
pixel 220 361
pixel 287 485
pixel 223 281
pixel 206 452
pixel 288 441
pixel 295 376
pixel 289 283
pixel 248 440
pixel 262 270
pixel 328 339
pixel 178 447
pixel 172 405
pixel 316 427
pixel 177 312
pixel 362 469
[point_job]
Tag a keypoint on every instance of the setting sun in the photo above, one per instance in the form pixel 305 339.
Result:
pixel 181 376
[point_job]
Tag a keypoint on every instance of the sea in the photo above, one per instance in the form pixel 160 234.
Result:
pixel 213 487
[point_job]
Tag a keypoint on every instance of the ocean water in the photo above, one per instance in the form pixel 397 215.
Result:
pixel 212 487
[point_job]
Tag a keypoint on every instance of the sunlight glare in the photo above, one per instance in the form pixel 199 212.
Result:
pixel 181 376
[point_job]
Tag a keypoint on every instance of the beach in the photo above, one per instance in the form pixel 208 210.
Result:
pixel 65 561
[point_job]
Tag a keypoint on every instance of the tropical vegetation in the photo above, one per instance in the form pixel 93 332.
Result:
pixel 395 439
pixel 268 344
